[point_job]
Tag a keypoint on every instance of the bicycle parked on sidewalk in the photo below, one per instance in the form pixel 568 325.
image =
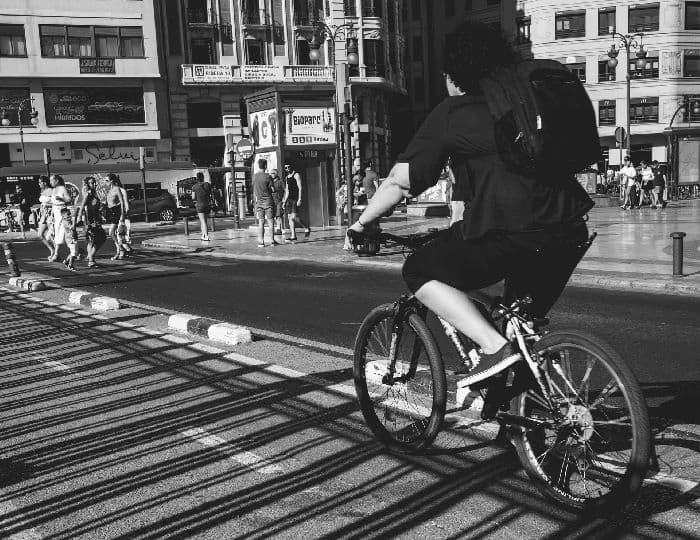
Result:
pixel 573 409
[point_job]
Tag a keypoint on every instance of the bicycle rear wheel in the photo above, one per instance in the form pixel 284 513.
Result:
pixel 404 412
pixel 594 454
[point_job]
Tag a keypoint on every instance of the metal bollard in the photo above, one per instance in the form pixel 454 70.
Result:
pixel 211 226
pixel 11 259
pixel 186 222
pixel 678 253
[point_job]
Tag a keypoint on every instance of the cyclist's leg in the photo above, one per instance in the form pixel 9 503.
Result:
pixel 544 275
pixel 440 273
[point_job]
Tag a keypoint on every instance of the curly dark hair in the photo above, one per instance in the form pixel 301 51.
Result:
pixel 472 51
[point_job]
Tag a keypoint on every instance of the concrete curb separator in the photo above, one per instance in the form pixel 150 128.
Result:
pixel 229 334
pixel 94 301
pixel 30 285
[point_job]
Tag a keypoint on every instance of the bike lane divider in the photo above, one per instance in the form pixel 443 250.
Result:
pixel 28 284
pixel 227 333
pixel 94 301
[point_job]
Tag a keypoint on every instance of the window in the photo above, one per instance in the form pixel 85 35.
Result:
pixel 90 41
pixel 203 51
pixel 605 72
pixel 650 70
pixel 255 51
pixel 644 18
pixel 374 58
pixel 692 15
pixel 10 98
pixel 449 7
pixel 578 69
pixel 79 41
pixel 606 21
pixel 523 30
pixel 107 42
pixel 391 16
pixel 691 63
pixel 204 115
pixel 691 102
pixel 12 40
pixel 372 8
pixel 417 48
pixel 53 40
pixel 644 110
pixel 570 24
pixel 303 51
pixel 350 8
pixel 131 42
pixel 606 112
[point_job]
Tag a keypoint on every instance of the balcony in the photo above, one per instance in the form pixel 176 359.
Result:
pixel 206 17
pixel 253 18
pixel 201 74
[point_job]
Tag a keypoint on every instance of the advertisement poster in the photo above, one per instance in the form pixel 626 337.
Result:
pixel 212 73
pixel 263 127
pixel 10 98
pixel 66 106
pixel 310 126
pixel 271 158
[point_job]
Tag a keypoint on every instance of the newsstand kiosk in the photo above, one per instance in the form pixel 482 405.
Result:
pixel 297 126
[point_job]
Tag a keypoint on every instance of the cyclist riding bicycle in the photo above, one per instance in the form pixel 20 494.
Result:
pixel 508 220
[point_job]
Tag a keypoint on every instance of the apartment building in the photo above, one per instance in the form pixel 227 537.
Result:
pixel 664 117
pixel 89 70
pixel 239 68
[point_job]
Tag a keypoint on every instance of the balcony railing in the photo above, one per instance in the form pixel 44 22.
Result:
pixel 254 74
pixel 201 16
pixel 252 17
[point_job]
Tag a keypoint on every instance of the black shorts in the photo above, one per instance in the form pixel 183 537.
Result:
pixel 290 206
pixel 538 263
pixel 114 214
pixel 95 235
pixel 202 208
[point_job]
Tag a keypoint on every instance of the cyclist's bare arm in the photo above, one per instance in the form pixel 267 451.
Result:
pixel 391 192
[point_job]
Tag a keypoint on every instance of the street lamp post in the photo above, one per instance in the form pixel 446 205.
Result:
pixel 682 108
pixel 326 32
pixel 34 120
pixel 629 42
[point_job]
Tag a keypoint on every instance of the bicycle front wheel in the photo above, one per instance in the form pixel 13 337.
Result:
pixel 403 404
pixel 594 452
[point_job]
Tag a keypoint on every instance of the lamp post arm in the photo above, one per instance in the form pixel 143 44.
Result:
pixel 675 113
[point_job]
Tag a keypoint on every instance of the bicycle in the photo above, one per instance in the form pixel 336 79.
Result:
pixel 688 191
pixel 573 409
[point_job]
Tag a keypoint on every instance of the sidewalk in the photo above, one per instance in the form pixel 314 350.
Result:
pixel 633 249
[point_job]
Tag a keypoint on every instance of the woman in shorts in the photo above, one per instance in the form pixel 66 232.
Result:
pixel 91 209
pixel 60 200
pixel 115 214
pixel 44 229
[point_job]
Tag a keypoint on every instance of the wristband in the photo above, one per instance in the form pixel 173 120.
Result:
pixel 360 222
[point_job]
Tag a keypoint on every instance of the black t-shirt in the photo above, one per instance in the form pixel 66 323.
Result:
pixel 461 127
pixel 659 180
pixel 202 193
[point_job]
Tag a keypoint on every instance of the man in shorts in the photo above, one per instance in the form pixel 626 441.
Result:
pixel 278 199
pixel 262 197
pixel 71 237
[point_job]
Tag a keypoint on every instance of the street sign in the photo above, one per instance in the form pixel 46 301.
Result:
pixel 245 148
pixel 620 134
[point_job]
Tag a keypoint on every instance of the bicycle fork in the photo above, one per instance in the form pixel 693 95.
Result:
pixel 402 310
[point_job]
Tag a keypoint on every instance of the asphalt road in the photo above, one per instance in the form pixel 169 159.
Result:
pixel 110 432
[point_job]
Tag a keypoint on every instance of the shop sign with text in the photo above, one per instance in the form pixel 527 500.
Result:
pixel 212 73
pixel 96 65
pixel 310 126
pixel 104 105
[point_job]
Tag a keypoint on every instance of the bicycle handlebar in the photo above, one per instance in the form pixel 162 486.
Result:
pixel 411 241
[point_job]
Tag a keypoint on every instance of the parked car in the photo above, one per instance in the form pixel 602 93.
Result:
pixel 160 203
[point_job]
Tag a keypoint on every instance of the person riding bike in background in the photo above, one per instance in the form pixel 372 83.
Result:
pixel 509 217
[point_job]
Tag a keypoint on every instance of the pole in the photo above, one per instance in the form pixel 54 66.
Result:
pixel 629 99
pixel 677 253
pixel 21 135
pixel 347 143
pixel 47 161
pixel 142 166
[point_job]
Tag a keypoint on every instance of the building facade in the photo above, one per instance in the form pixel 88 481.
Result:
pixel 220 54
pixel 90 71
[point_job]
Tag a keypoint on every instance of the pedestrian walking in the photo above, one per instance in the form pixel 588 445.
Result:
pixel 201 195
pixel 370 181
pixel 657 193
pixel 115 214
pixel 647 184
pixel 263 190
pixel 124 229
pixel 292 202
pixel 22 201
pixel 44 226
pixel 628 175
pixel 91 212
pixel 70 236
pixel 277 199
pixel 359 195
pixel 60 199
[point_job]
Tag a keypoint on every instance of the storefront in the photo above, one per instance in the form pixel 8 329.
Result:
pixel 298 128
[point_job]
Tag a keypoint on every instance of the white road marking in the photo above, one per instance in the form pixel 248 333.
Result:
pixel 244 457
pixel 673 482
pixel 56 365
pixel 7 508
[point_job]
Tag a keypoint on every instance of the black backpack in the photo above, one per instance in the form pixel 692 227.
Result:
pixel 545 125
